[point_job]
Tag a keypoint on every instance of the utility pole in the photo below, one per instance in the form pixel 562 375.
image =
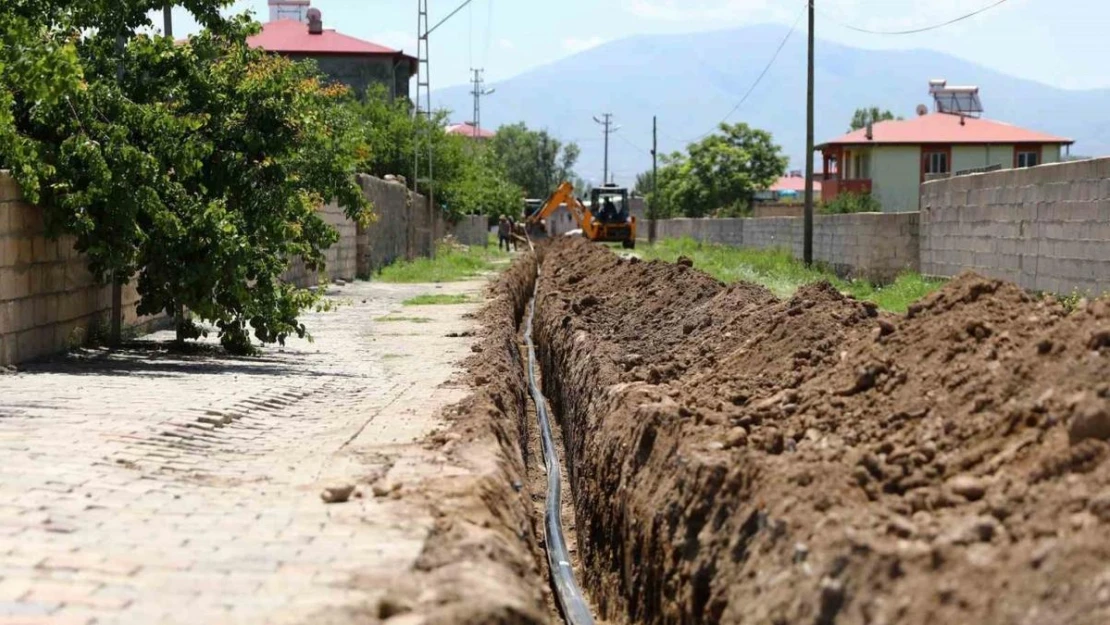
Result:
pixel 607 122
pixel 477 93
pixel 167 18
pixel 545 165
pixel 423 101
pixel 652 215
pixel 807 236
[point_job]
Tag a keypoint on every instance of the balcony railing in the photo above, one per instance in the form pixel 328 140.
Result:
pixel 832 187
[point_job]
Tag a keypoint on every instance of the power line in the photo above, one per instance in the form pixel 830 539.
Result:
pixel 489 32
pixel 623 138
pixel 758 79
pixel 462 6
pixel 914 31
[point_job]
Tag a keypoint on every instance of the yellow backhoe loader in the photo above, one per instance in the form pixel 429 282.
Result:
pixel 606 219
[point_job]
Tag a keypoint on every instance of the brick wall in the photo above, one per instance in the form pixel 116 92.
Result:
pixel 48 299
pixel 1046 228
pixel 876 246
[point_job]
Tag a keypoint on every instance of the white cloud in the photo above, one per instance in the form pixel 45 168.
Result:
pixel 506 44
pixel 577 44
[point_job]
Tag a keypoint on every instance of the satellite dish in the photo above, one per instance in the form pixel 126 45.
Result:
pixel 922 110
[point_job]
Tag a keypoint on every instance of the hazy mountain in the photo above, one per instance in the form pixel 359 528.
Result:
pixel 692 81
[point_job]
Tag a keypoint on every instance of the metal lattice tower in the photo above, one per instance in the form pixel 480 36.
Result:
pixel 423 161
pixel 477 81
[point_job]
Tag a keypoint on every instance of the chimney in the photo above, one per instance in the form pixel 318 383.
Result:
pixel 870 131
pixel 315 22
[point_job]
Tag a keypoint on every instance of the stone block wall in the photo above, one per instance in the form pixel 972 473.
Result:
pixel 1045 228
pixel 48 299
pixel 875 246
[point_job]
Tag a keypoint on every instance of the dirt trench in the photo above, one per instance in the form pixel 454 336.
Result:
pixel 482 562
pixel 736 458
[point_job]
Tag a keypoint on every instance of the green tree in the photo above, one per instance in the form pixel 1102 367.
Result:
pixel 468 177
pixel 872 115
pixel 533 160
pixel 199 172
pixel 718 175
pixel 723 171
pixel 481 188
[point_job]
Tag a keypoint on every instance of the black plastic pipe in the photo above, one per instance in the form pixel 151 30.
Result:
pixel 576 610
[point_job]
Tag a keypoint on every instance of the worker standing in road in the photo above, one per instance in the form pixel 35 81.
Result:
pixel 504 230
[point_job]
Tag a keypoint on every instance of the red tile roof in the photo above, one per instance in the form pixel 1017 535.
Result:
pixel 794 183
pixel 467 129
pixel 291 36
pixel 944 128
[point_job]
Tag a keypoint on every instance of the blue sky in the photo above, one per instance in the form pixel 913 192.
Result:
pixel 1058 42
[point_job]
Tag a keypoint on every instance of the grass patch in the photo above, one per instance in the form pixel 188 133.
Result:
pixel 398 318
pixel 439 299
pixel 783 274
pixel 451 264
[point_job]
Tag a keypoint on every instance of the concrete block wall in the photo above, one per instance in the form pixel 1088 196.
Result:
pixel 472 230
pixel 876 246
pixel 1045 228
pixel 386 240
pixel 341 258
pixel 48 299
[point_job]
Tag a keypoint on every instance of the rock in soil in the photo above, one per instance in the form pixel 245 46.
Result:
pixel 338 494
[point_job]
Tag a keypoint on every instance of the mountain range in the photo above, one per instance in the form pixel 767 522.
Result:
pixel 693 81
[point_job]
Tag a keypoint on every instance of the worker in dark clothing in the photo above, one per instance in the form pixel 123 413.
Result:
pixel 504 233
pixel 608 211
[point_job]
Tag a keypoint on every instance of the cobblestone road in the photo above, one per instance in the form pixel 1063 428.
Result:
pixel 151 488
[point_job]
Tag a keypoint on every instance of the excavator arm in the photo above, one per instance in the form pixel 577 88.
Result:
pixel 563 195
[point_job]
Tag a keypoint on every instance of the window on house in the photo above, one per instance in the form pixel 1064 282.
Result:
pixel 1028 159
pixel 936 162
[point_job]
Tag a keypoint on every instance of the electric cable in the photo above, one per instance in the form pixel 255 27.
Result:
pixel 914 31
pixel 759 79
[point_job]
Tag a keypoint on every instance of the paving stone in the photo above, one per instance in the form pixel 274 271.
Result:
pixel 120 504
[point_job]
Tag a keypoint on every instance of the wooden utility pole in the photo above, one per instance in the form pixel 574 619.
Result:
pixel 807 245
pixel 167 17
pixel 652 215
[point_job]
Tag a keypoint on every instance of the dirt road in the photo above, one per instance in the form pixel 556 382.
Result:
pixel 144 487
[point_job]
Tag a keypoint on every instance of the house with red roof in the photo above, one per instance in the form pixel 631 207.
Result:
pixel 468 129
pixel 296 30
pixel 788 188
pixel 891 159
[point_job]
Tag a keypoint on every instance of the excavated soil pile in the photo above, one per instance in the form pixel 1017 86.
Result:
pixel 481 563
pixel 737 458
